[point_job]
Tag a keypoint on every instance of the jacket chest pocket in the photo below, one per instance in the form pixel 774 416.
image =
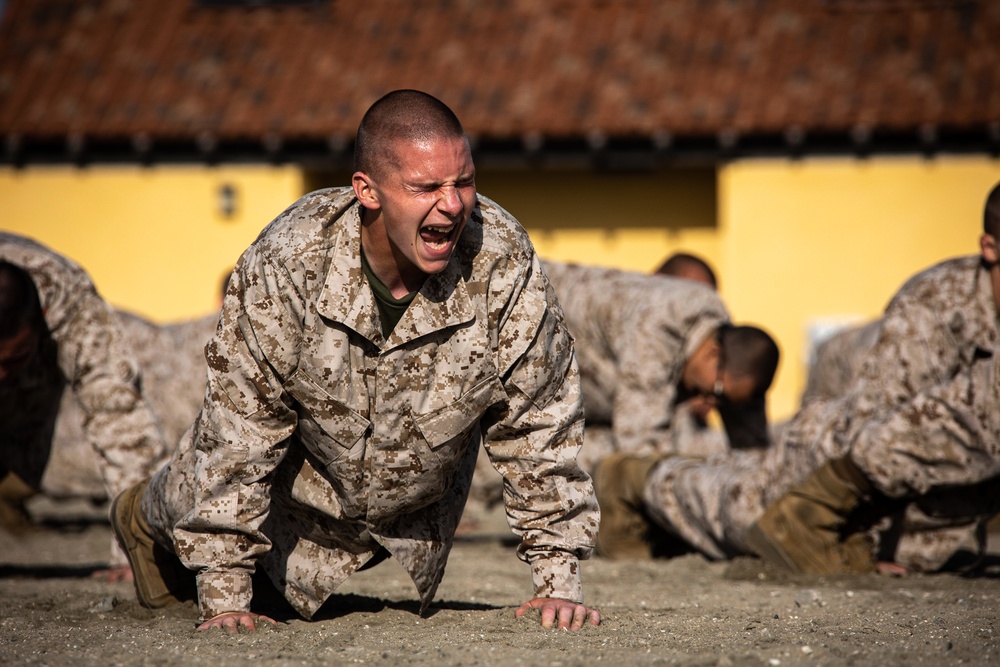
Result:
pixel 327 427
pixel 448 428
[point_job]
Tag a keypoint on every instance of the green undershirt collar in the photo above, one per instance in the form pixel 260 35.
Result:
pixel 390 309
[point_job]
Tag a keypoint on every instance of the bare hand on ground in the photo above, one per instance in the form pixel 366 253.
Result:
pixel 569 615
pixel 234 621
pixel 891 569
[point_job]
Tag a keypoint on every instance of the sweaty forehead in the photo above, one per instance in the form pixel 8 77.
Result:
pixel 431 160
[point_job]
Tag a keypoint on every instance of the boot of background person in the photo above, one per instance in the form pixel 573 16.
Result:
pixel 809 529
pixel 14 519
pixel 159 576
pixel 619 481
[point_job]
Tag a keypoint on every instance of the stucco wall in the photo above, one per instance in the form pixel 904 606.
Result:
pixel 154 239
pixel 806 244
pixel 799 246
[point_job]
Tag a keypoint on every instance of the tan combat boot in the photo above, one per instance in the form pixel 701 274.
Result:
pixel 13 492
pixel 619 481
pixel 159 576
pixel 806 530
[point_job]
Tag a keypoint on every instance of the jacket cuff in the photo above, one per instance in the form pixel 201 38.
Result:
pixel 219 592
pixel 557 576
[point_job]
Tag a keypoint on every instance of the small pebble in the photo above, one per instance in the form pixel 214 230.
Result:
pixel 105 605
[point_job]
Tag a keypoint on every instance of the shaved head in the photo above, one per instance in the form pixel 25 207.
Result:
pixel 750 352
pixel 689 267
pixel 400 116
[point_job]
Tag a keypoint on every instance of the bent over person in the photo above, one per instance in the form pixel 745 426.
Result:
pixel 926 371
pixel 57 335
pixel 938 446
pixel 647 344
pixel 371 339
pixel 171 359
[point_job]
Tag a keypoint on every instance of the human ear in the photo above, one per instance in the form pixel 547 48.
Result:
pixel 988 247
pixel 364 190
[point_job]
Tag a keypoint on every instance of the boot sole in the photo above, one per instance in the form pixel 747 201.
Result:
pixel 769 551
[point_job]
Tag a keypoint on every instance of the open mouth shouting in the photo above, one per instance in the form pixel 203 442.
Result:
pixel 438 240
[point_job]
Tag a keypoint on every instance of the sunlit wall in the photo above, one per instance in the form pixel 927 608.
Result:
pixel 157 241
pixel 805 245
pixel 800 247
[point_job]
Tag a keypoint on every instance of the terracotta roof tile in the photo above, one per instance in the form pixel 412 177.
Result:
pixel 178 70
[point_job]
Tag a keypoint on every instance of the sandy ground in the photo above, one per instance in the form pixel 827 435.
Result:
pixel 684 611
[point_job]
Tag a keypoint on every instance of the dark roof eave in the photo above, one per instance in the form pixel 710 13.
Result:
pixel 531 150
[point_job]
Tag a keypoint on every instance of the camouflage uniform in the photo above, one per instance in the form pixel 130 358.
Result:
pixel 634 334
pixel 692 436
pixel 629 385
pixel 86 352
pixel 688 436
pixel 936 339
pixel 320 441
pixel 171 358
pixel 947 435
pixel 924 535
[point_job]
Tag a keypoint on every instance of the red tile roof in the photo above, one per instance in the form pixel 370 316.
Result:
pixel 174 70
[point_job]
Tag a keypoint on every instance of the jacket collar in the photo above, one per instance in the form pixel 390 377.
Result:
pixel 443 301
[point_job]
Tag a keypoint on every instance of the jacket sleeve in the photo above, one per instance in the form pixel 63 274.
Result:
pixel 241 433
pixel 549 498
pixel 105 378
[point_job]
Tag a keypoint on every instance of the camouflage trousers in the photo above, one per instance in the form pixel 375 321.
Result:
pixel 712 503
pixel 942 450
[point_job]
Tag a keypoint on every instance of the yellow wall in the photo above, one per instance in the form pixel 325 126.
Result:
pixel 153 239
pixel 799 246
pixel 622 220
pixel 795 243
pixel 833 239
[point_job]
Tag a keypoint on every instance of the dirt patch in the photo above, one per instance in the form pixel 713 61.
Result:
pixel 684 611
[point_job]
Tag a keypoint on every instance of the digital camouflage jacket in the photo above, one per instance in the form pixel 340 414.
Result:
pixel 320 441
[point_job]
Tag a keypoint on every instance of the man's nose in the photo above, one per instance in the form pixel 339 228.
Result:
pixel 450 202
